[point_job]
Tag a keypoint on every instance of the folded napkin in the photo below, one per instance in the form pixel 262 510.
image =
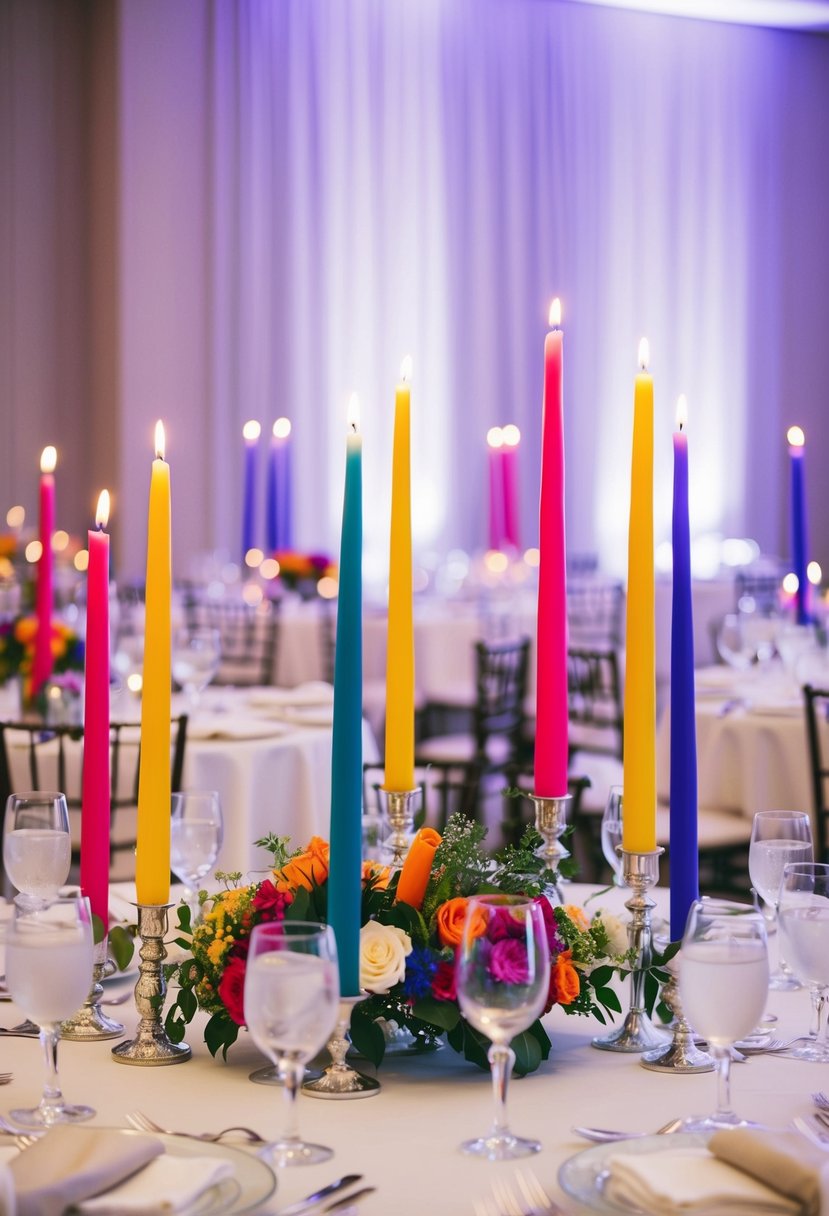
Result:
pixel 71 1163
pixel 783 1160
pixel 690 1182
pixel 168 1184
pixel 232 726
pixel 314 692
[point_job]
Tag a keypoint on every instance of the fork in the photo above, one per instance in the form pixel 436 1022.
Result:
pixel 820 1100
pixel 142 1124
pixel 5 1077
pixel 530 1199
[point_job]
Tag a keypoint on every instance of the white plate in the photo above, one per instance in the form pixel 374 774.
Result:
pixel 314 715
pixel 583 1177
pixel 313 693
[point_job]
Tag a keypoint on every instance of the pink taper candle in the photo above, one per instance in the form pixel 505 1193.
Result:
pixel 42 664
pixel 551 730
pixel 509 469
pixel 95 813
pixel 495 447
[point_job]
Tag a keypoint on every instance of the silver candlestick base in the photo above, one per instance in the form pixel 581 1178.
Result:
pixel 340 1080
pixel 400 809
pixel 640 871
pixel 681 1054
pixel 151 1046
pixel 550 821
pixel 90 1024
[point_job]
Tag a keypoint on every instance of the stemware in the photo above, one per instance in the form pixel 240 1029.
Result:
pixel 804 927
pixel 503 979
pixel 745 639
pixel 195 660
pixel 723 983
pixel 196 833
pixel 48 964
pixel 612 832
pixel 292 997
pixel 37 846
pixel 777 837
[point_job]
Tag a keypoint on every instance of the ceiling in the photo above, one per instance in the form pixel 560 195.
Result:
pixel 780 14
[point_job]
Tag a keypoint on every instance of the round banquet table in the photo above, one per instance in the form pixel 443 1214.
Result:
pixel 405 1140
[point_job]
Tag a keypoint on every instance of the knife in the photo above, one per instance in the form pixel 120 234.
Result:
pixel 347 1200
pixel 305 1205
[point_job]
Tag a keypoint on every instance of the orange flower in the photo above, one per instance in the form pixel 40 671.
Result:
pixel 417 867
pixel 577 916
pixel 565 981
pixel 307 869
pixel 377 874
pixel 450 921
pixel 26 630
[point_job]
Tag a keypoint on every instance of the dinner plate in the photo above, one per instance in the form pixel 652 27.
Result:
pixel 313 693
pixel 583 1177
pixel 314 715
pixel 234 728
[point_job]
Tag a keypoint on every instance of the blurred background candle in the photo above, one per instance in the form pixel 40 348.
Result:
pixel 44 595
pixel 95 794
pixel 399 762
pixel 683 792
pixel 344 883
pixel 280 490
pixel 551 730
pixel 639 760
pixel 250 434
pixel 152 854
pixel 495 445
pixel 509 473
pixel 799 525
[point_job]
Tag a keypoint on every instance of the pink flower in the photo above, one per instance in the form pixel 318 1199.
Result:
pixel 554 942
pixel 503 924
pixel 444 987
pixel 232 990
pixel 270 903
pixel 508 961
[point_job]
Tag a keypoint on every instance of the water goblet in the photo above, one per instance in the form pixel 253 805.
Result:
pixel 503 979
pixel 777 837
pixel 723 984
pixel 292 998
pixel 196 833
pixel 195 660
pixel 49 958
pixel 37 846
pixel 612 832
pixel 803 910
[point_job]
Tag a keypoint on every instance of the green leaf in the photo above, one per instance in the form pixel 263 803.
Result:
pixel 527 1053
pixel 608 998
pixel 174 1024
pixel 98 929
pixel 299 908
pixel 220 1032
pixel 651 992
pixel 366 1036
pixel 542 1038
pixel 601 976
pixel 121 946
pixel 444 1014
pixel 187 1003
pixel 473 1045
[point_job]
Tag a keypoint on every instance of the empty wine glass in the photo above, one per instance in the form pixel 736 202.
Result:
pixel 196 833
pixel 37 846
pixel 804 927
pixel 777 837
pixel 48 969
pixel 292 998
pixel 612 832
pixel 746 639
pixel 503 978
pixel 723 984
pixel 195 660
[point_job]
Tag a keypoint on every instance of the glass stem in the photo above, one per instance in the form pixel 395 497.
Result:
pixel 501 1059
pixel 52 1098
pixel 819 1025
pixel 292 1073
pixel 723 1058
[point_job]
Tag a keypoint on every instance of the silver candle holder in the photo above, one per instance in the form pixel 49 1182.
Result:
pixel 681 1054
pixel 400 809
pixel 151 1045
pixel 90 1024
pixel 340 1080
pixel 551 816
pixel 640 871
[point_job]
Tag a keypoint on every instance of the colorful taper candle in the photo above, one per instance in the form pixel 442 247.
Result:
pixel 280 489
pixel 95 794
pixel 639 758
pixel 250 433
pixel 552 729
pixel 683 788
pixel 399 762
pixel 345 879
pixel 44 595
pixel 152 854
pixel 495 448
pixel 799 523
pixel 509 472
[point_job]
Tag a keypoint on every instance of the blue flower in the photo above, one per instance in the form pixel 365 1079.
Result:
pixel 421 966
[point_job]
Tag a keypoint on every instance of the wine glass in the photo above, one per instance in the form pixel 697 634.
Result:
pixel 292 998
pixel 48 970
pixel 195 660
pixel 723 984
pixel 804 926
pixel 503 978
pixel 777 837
pixel 745 639
pixel 37 846
pixel 196 833
pixel 612 832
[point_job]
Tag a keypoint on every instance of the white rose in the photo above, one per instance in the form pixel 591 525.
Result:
pixel 616 929
pixel 383 951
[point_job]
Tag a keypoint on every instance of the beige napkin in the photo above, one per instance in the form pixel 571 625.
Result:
pixel 168 1184
pixel 690 1182
pixel 783 1160
pixel 71 1163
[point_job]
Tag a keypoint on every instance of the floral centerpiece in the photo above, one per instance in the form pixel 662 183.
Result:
pixel 411 928
pixel 17 649
pixel 302 571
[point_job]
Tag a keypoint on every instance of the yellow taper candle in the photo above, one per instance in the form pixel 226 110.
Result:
pixel 639 813
pixel 152 858
pixel 400 644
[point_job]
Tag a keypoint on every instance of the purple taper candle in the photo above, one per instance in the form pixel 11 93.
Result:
pixel 250 434
pixel 800 546
pixel 279 491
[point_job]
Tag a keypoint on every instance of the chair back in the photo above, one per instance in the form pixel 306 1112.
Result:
pixel 817 714
pixel 327 610
pixel 518 811
pixel 758 590
pixel 595 611
pixel 501 690
pixel 595 704
pixel 249 636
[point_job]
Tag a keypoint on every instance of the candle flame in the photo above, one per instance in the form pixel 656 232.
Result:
pixel 795 437
pixel 511 435
pixel 814 573
pixel 48 459
pixel 681 411
pixel 282 428
pixel 160 444
pixel 554 315
pixel 406 369
pixel 495 437
pixel 352 416
pixel 251 431
pixel 102 512
pixel 791 583
pixel 644 354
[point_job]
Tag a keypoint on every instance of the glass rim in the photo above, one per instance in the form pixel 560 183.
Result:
pixel 308 928
pixel 806 867
pixel 36 795
pixel 501 899
pixel 781 814
pixel 713 905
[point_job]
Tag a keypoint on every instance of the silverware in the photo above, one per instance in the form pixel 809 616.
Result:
pixel 347 1200
pixel 820 1100
pixel 310 1201
pixel 18 1032
pixel 526 1198
pixel 143 1124
pixel 5 1077
pixel 604 1136
pixel 811 1130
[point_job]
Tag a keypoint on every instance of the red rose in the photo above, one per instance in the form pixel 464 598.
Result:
pixel 232 990
pixel 444 987
pixel 270 903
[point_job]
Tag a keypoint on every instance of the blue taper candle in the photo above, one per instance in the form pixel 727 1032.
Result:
pixel 250 434
pixel 279 493
pixel 683 791
pixel 800 546
pixel 344 881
